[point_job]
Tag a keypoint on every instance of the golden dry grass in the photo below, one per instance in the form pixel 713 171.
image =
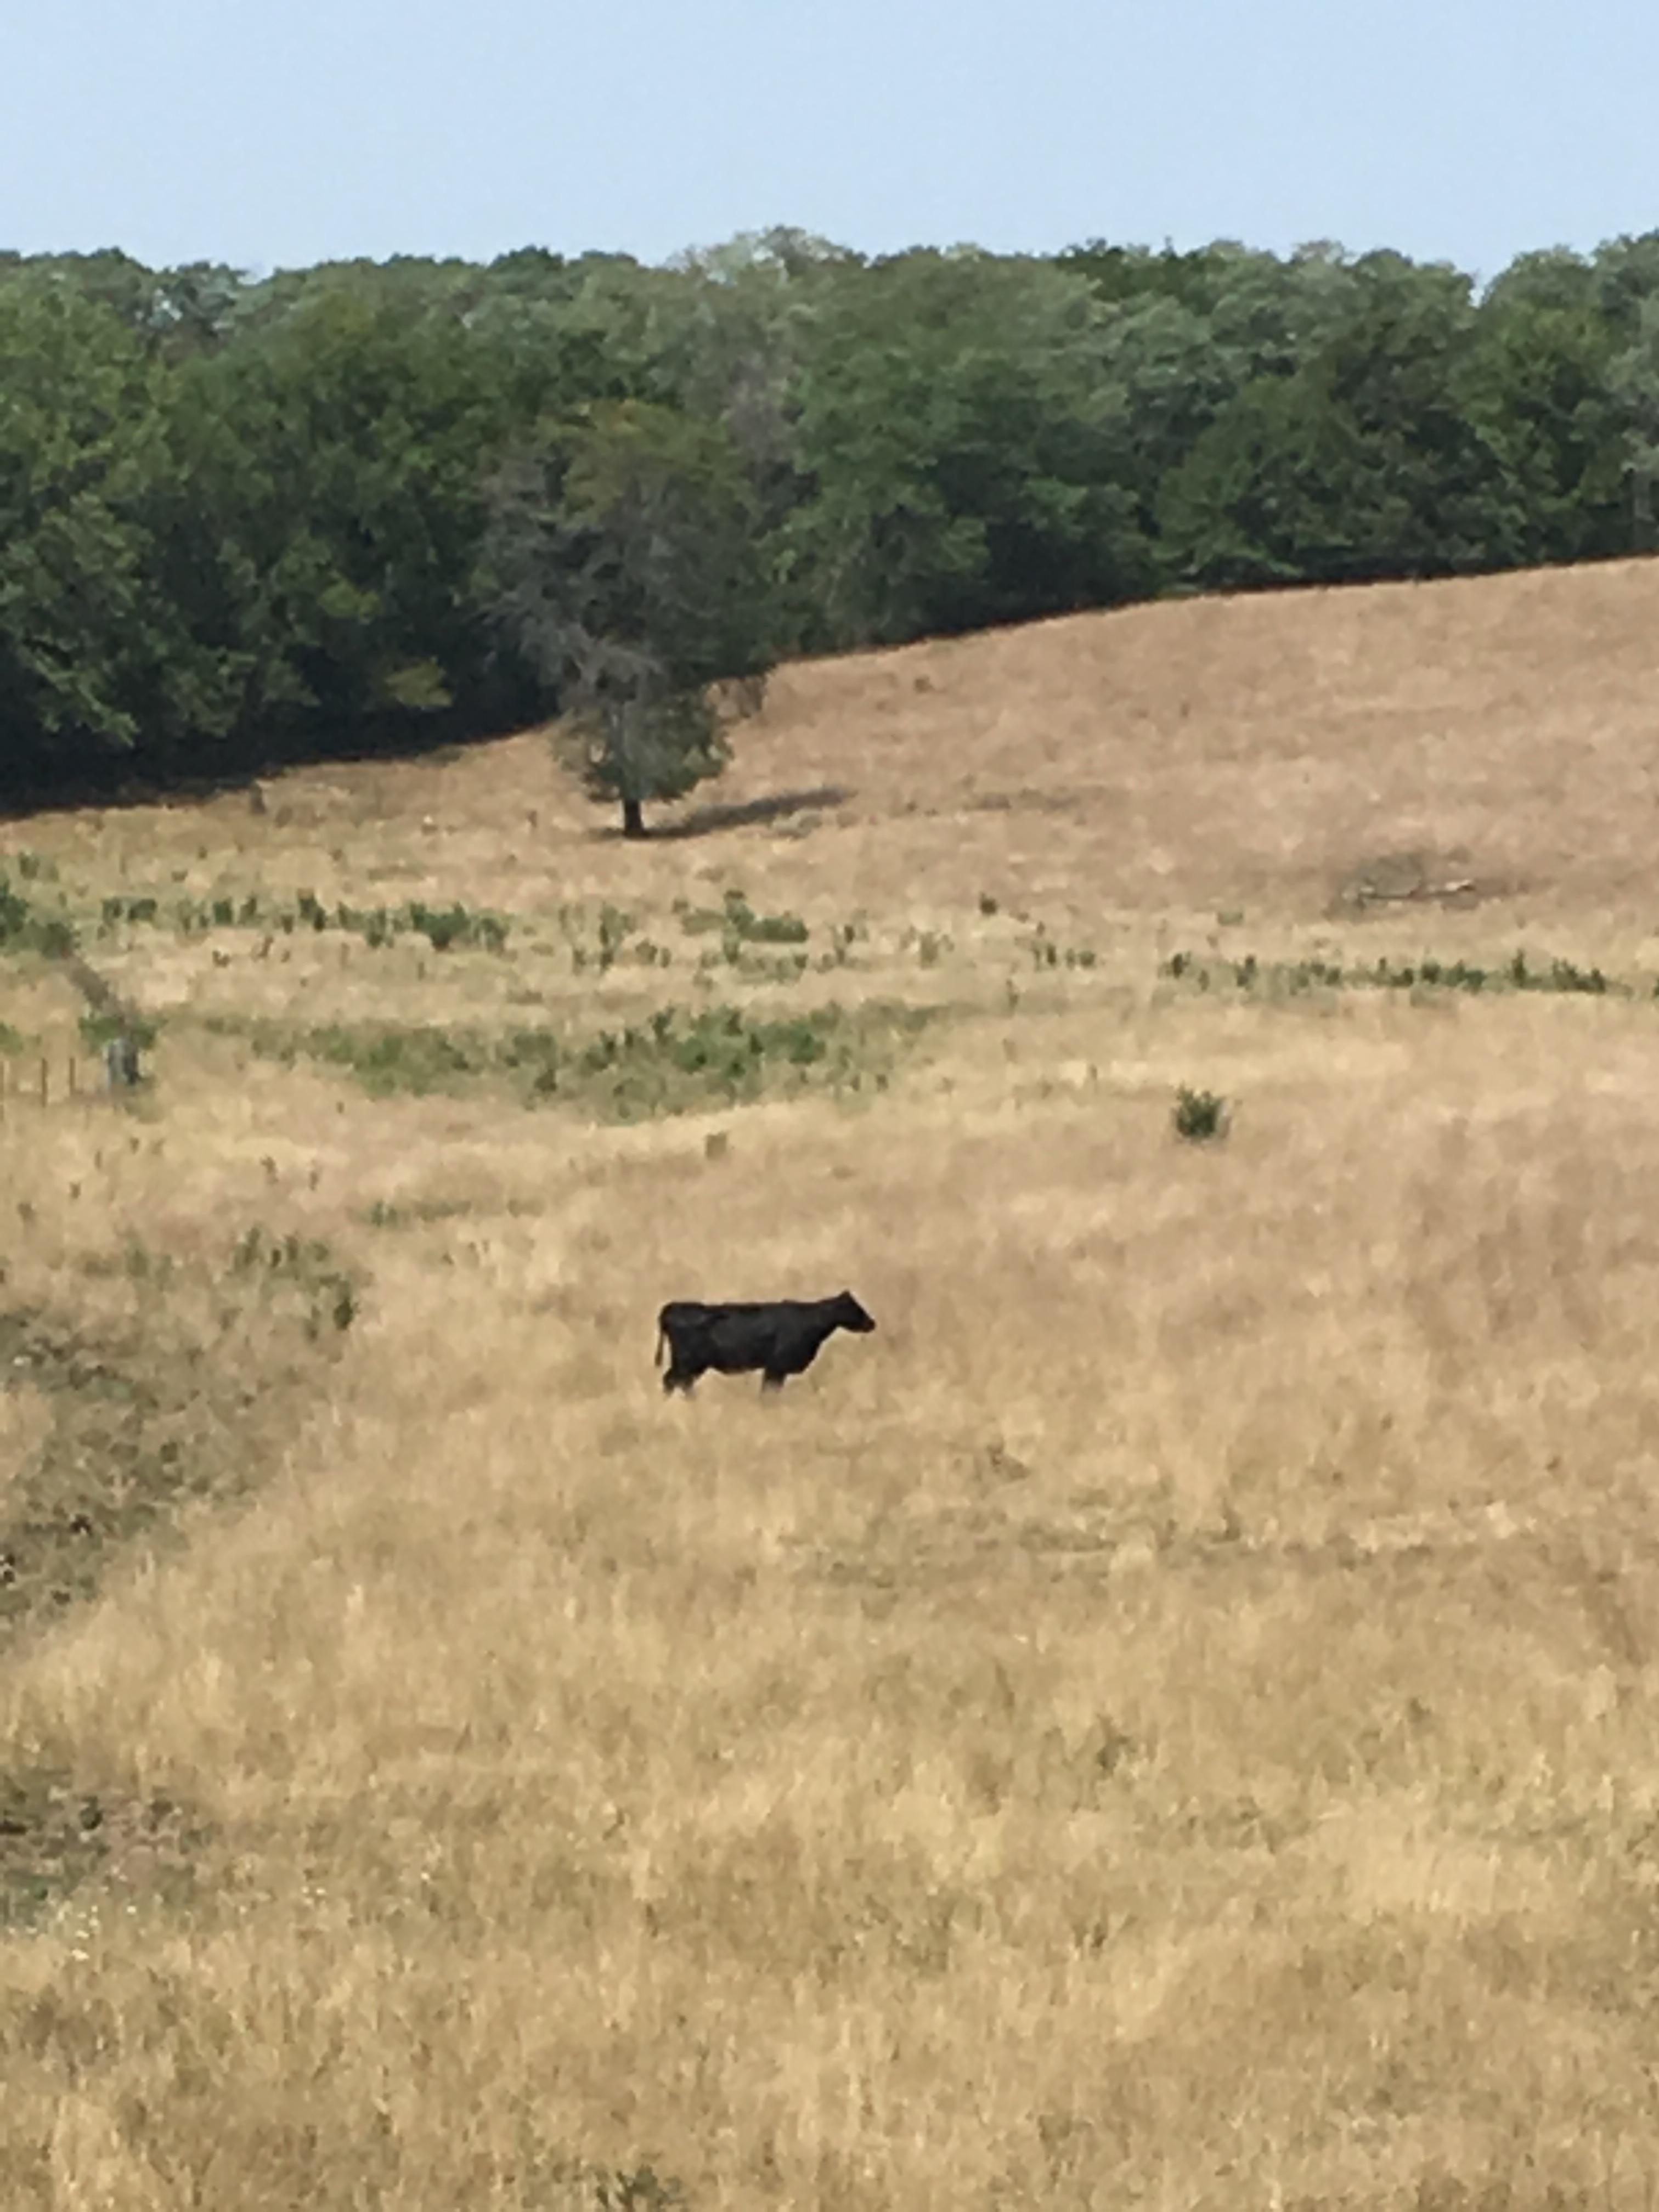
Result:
pixel 1170 1719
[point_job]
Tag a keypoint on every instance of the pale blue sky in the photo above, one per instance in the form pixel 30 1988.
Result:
pixel 273 133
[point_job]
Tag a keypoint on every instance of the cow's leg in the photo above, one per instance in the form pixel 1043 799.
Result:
pixel 680 1378
pixel 771 1381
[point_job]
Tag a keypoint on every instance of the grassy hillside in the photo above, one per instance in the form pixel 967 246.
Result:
pixel 1169 1719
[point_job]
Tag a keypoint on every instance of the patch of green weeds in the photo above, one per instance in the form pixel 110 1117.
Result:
pixel 445 928
pixel 417 1213
pixel 24 929
pixel 1294 978
pixel 556 2181
pixel 739 925
pixel 929 945
pixel 677 1059
pixel 305 1266
pixel 598 940
pixel 788 968
pixel 763 928
pixel 118 910
pixel 1559 975
pixel 843 936
pixel 387 1059
pixel 1047 953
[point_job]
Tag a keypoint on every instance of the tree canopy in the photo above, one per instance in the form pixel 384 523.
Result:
pixel 380 502
pixel 622 565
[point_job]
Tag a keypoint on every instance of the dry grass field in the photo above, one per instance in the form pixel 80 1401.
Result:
pixel 1172 1719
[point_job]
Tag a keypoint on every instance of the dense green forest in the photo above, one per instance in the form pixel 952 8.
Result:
pixel 362 504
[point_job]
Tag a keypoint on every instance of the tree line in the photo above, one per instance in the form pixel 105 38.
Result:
pixel 244 519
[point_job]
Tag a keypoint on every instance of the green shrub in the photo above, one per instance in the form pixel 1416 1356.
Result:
pixel 1200 1117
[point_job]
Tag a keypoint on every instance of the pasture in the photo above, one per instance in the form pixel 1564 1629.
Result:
pixel 1171 1718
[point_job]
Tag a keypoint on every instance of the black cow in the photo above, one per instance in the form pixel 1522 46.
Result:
pixel 782 1337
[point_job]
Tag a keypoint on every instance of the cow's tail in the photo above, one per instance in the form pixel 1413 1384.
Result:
pixel 662 1338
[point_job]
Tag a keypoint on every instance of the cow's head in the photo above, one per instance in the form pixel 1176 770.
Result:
pixel 849 1314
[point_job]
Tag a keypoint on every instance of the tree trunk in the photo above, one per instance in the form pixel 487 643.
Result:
pixel 633 820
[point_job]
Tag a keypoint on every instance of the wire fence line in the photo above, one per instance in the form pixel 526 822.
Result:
pixel 42 1079
pixel 107 1064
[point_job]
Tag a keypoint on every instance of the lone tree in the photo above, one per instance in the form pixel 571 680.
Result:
pixel 622 564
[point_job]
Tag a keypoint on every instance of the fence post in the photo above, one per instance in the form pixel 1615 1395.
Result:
pixel 121 1067
pixel 46 1080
